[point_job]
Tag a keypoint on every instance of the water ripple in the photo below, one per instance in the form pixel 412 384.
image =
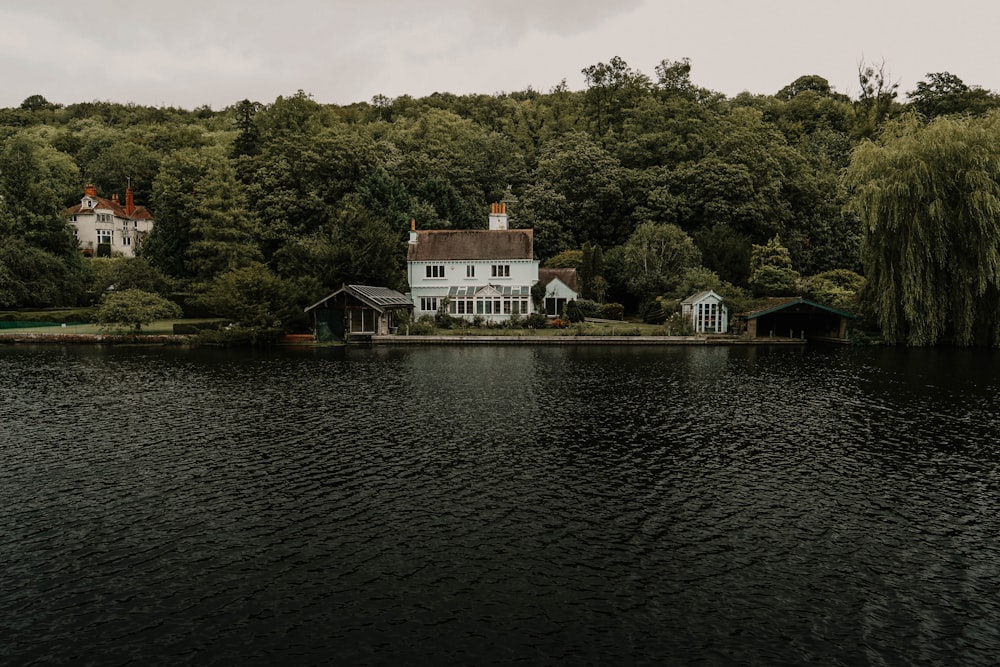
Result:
pixel 498 505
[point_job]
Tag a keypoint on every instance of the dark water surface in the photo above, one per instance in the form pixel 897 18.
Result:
pixel 484 505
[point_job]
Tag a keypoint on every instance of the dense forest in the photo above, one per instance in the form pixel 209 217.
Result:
pixel 887 204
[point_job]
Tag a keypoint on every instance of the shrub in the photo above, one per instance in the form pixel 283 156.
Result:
pixel 612 311
pixel 536 321
pixel 676 325
pixel 422 327
pixel 588 308
pixel 573 312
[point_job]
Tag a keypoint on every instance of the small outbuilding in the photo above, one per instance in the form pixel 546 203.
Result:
pixel 357 311
pixel 796 317
pixel 560 289
pixel 706 312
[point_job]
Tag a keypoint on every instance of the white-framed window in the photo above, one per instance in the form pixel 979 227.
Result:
pixel 104 236
pixel 470 270
pixel 500 271
pixel 126 240
pixel 429 303
pixel 434 271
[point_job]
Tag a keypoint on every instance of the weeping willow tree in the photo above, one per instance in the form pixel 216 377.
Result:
pixel 928 196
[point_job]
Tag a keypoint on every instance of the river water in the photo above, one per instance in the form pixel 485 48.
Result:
pixel 498 505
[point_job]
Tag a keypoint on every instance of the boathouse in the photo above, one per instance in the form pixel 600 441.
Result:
pixel 357 312
pixel 797 317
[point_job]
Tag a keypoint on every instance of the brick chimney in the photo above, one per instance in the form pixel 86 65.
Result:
pixel 129 201
pixel 90 190
pixel 498 217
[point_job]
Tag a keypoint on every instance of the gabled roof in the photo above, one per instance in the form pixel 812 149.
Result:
pixel 141 213
pixel 379 298
pixel 116 208
pixel 566 276
pixel 699 297
pixel 795 302
pixel 447 244
pixel 102 203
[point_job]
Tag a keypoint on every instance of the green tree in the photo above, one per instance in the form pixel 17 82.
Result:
pixel 612 87
pixel 771 272
pixel 35 278
pixel 929 199
pixel 877 99
pixel 591 272
pixel 134 308
pixel 839 288
pixel 944 93
pixel 567 259
pixel 248 141
pixel 127 273
pixel 253 297
pixel 35 182
pixel 655 257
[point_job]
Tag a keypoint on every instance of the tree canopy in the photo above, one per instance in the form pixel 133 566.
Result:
pixel 929 198
pixel 305 195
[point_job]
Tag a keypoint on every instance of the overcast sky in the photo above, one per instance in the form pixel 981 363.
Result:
pixel 190 53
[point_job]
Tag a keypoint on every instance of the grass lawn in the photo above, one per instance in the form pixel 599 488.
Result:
pixel 158 327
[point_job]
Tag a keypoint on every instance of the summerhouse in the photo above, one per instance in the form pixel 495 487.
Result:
pixel 706 312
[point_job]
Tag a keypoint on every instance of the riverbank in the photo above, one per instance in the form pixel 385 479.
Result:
pixel 94 339
pixel 307 340
pixel 581 340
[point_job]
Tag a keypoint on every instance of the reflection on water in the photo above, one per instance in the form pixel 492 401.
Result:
pixel 499 504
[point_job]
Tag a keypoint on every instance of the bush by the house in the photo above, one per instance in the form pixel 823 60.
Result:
pixel 611 311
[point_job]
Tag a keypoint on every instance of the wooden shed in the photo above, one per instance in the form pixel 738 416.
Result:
pixel 796 317
pixel 357 312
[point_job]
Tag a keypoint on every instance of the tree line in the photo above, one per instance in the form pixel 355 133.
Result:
pixel 652 186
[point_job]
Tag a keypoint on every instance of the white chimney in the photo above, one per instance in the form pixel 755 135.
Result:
pixel 498 217
pixel 413 231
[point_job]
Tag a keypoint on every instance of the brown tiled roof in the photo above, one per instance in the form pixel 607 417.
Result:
pixel 567 276
pixel 442 244
pixel 115 207
pixel 139 213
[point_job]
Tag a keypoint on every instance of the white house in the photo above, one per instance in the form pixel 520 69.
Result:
pixel 706 312
pixel 560 288
pixel 106 226
pixel 485 273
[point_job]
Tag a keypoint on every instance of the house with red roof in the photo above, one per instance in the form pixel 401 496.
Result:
pixel 107 227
